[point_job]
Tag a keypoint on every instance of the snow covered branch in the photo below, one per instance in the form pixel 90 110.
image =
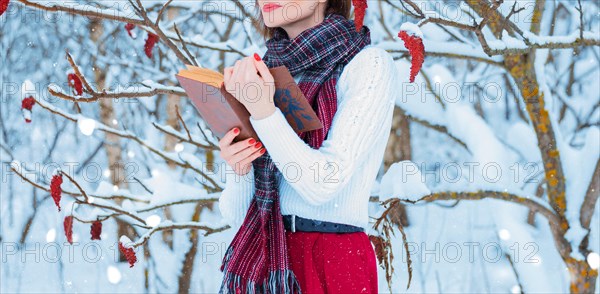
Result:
pixel 87 11
pixel 178 160
pixel 508 44
pixel 188 138
pixel 556 223
pixel 99 201
pixel 22 173
pixel 141 11
pixel 168 225
pixel 151 89
pixel 486 194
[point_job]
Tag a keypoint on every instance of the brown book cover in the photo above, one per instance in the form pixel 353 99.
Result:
pixel 222 111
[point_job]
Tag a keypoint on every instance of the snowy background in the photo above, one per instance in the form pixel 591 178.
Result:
pixel 468 127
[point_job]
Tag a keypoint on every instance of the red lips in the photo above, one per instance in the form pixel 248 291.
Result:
pixel 270 7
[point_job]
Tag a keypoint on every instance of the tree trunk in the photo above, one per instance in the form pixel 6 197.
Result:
pixel 521 68
pixel 173 102
pixel 112 143
pixel 583 277
pixel 398 148
pixel 185 279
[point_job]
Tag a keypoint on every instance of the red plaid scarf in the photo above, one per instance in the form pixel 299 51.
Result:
pixel 257 258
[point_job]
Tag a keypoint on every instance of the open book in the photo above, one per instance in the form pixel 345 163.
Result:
pixel 222 111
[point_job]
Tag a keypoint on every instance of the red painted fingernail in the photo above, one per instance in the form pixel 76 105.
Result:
pixel 252 141
pixel 257 145
pixel 236 130
pixel 263 151
pixel 256 57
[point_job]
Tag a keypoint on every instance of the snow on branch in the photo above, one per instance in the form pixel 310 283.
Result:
pixel 26 175
pixel 531 41
pixel 170 157
pixel 169 225
pixel 188 138
pixel 88 11
pixel 508 44
pixel 485 194
pixel 151 89
pixel 555 221
pixel 151 26
pixel 102 202
pixel 141 11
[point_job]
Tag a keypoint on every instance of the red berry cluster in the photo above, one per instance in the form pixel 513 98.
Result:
pixel 3 6
pixel 28 103
pixel 68 224
pixel 55 192
pixel 129 27
pixel 26 106
pixel 96 230
pixel 415 47
pixel 150 42
pixel 55 189
pixel 129 254
pixel 75 83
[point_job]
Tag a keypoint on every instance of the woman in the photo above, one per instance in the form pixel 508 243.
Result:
pixel 301 208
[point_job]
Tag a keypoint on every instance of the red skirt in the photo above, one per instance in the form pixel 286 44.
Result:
pixel 333 262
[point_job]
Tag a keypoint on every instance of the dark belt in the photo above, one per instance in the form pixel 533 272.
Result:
pixel 296 223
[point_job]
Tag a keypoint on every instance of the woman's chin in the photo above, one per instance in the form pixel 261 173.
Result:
pixel 273 21
pixel 275 24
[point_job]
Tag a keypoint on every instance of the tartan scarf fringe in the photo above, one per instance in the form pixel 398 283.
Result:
pixel 279 281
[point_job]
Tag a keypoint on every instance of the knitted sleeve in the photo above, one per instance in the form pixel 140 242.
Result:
pixel 236 196
pixel 363 116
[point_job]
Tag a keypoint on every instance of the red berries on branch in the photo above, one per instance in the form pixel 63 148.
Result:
pixel 3 6
pixel 360 7
pixel 55 189
pixel 26 106
pixel 96 227
pixel 412 37
pixel 96 230
pixel 127 250
pixel 75 83
pixel 150 42
pixel 68 224
pixel 129 27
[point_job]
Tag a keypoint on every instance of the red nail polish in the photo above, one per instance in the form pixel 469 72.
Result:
pixel 257 145
pixel 256 57
pixel 263 151
pixel 252 141
pixel 236 130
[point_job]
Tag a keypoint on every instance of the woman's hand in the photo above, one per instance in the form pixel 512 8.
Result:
pixel 254 91
pixel 240 155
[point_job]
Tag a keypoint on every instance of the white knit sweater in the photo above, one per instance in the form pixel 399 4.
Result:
pixel 332 183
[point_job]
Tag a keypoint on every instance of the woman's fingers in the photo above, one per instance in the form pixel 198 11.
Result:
pixel 252 156
pixel 234 76
pixel 262 68
pixel 228 148
pixel 244 154
pixel 248 68
pixel 241 145
pixel 228 138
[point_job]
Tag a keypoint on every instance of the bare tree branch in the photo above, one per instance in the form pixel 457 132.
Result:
pixel 115 15
pixel 127 135
pixel 75 194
